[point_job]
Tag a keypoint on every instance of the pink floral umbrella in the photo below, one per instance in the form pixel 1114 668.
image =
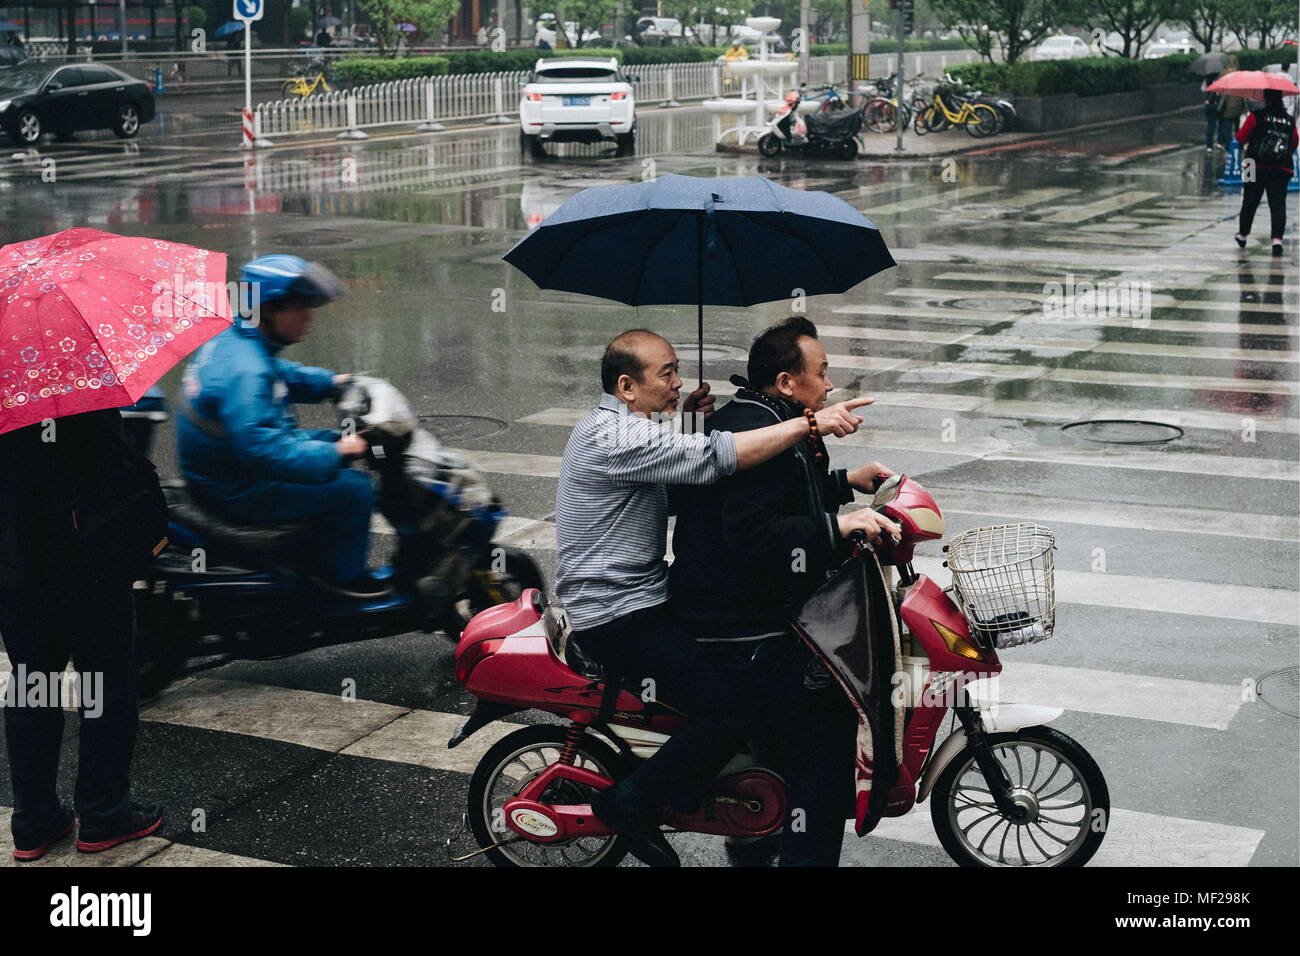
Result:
pixel 90 320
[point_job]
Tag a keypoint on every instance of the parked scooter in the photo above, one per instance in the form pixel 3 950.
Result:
pixel 222 591
pixel 828 134
pixel 1005 789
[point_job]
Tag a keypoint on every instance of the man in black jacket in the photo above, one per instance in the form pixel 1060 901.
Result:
pixel 749 550
pixel 80 512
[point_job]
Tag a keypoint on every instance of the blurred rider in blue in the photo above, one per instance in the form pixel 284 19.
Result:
pixel 241 451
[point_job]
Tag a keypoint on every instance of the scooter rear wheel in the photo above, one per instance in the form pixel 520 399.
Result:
pixel 1052 775
pixel 513 762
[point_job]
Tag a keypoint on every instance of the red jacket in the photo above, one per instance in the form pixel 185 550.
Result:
pixel 1247 131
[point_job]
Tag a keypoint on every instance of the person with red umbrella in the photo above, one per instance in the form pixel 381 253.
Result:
pixel 1269 138
pixel 88 322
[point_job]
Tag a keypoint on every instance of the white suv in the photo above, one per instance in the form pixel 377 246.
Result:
pixel 572 100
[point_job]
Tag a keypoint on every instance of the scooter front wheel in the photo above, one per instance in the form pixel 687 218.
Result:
pixel 1052 776
pixel 510 765
pixel 769 145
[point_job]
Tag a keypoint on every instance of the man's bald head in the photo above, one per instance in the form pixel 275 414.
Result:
pixel 639 368
pixel 628 354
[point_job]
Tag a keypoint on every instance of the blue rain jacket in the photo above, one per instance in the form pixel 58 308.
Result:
pixel 236 438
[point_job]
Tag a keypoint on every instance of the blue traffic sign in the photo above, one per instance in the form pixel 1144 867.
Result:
pixel 248 10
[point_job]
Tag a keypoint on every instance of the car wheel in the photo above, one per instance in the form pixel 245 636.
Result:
pixel 128 121
pixel 626 143
pixel 27 128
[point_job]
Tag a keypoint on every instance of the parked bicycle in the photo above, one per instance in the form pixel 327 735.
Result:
pixel 303 84
pixel 947 108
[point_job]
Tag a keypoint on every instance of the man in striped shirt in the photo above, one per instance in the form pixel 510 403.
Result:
pixel 611 520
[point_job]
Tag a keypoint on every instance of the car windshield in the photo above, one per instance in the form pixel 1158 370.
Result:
pixel 17 78
pixel 576 74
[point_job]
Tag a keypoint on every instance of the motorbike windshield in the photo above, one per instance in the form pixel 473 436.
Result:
pixel 849 624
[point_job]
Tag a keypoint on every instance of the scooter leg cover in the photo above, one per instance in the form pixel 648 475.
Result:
pixel 849 624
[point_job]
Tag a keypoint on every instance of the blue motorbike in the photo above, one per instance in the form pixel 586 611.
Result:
pixel 223 591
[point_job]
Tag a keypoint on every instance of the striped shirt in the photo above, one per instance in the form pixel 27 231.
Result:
pixel 611 508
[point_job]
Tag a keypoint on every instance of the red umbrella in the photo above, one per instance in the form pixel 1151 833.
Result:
pixel 1252 84
pixel 90 320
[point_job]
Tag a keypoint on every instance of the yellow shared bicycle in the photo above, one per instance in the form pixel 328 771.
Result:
pixel 302 86
pixel 946 109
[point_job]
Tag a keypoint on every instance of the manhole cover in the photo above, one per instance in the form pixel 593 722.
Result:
pixel 316 239
pixel 1119 431
pixel 1281 690
pixel 455 429
pixel 994 303
pixel 687 351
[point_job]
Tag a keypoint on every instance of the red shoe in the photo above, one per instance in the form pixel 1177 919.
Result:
pixel 135 823
pixel 28 853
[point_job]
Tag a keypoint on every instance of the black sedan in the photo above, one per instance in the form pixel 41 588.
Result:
pixel 36 99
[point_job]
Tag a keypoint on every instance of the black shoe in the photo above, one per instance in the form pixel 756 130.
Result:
pixel 634 821
pixel 1240 241
pixel 28 850
pixel 362 586
pixel 138 821
pixel 1277 250
pixel 754 851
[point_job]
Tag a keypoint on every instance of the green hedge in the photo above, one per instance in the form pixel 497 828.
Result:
pixel 1096 76
pixel 360 70
pixel 891 46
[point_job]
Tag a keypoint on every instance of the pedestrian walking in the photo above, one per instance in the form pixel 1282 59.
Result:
pixel 81 512
pixel 1218 129
pixel 1269 138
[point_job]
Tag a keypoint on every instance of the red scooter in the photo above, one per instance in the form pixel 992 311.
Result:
pixel 1005 789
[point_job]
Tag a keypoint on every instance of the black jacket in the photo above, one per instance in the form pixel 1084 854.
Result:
pixel 85 501
pixel 751 548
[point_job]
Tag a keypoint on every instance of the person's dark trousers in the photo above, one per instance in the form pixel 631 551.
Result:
pixel 91 620
pixel 811 744
pixel 1226 130
pixel 721 703
pixel 1273 183
pixel 1211 126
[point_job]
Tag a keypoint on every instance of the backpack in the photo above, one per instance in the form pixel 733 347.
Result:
pixel 1274 146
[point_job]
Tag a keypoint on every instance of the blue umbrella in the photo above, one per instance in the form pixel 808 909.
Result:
pixel 750 240
pixel 234 26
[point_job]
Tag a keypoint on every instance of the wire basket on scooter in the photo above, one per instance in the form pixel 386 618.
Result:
pixel 1004 579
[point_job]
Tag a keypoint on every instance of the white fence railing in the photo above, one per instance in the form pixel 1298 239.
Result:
pixel 437 99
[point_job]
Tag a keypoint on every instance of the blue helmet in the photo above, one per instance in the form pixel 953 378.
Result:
pixel 289 277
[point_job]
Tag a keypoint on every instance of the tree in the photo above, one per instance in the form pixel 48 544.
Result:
pixel 1267 22
pixel 1204 19
pixel 431 16
pixel 1135 21
pixel 1014 26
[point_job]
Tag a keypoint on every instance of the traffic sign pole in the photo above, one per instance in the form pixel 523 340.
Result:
pixel 248 11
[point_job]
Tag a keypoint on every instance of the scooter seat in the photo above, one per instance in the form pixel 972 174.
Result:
pixel 559 631
pixel 221 533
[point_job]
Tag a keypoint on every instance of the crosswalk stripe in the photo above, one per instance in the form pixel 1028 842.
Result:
pixel 940 373
pixel 1162 595
pixel 977 317
pixel 1101 206
pixel 1159 300
pixel 1140 696
pixel 418 737
pixel 1004 341
pixel 1133 838
pixel 1033 197
pixel 1194 463
pixel 1116 514
pixel 873 437
pixel 947 197
pixel 1021 279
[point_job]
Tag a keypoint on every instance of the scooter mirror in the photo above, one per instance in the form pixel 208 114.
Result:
pixel 887 492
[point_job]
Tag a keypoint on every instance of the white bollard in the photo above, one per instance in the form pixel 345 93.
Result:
pixel 499 99
pixel 668 86
pixel 353 131
pixel 430 124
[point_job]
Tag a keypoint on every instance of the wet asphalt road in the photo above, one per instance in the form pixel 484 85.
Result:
pixel 1178 562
